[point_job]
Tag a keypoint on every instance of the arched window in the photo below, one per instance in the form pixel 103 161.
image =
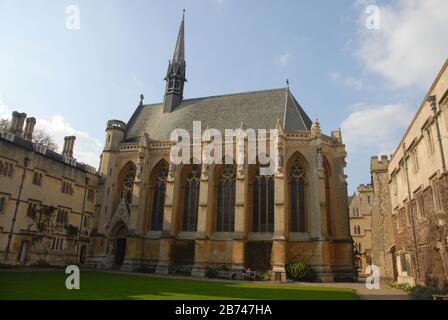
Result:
pixel 128 185
pixel 225 202
pixel 262 203
pixel 327 174
pixel 158 197
pixel 191 199
pixel 297 188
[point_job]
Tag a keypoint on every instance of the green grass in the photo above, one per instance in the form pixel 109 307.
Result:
pixel 98 285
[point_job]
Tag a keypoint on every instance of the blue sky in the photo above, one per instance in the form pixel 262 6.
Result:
pixel 367 82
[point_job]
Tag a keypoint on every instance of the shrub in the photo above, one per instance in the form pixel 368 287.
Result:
pixel 299 271
pixel 402 286
pixel 264 276
pixel 41 264
pixel 145 269
pixel 422 293
pixel 212 273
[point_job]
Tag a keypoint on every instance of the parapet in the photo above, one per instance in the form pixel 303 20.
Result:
pixel 116 125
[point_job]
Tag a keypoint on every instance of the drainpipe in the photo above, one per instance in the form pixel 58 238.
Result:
pixel 82 217
pixel 414 233
pixel 433 102
pixel 26 162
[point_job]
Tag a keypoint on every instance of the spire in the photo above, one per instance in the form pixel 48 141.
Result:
pixel 179 52
pixel 175 76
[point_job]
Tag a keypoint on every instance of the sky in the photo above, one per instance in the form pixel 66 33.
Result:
pixel 363 71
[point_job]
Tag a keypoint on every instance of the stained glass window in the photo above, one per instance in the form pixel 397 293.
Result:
pixel 158 198
pixel 297 196
pixel 225 204
pixel 191 199
pixel 262 203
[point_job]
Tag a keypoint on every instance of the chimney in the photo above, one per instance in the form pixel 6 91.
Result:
pixel 69 142
pixel 20 123
pixel 14 120
pixel 29 128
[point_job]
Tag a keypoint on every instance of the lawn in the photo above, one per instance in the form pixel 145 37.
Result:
pixel 99 285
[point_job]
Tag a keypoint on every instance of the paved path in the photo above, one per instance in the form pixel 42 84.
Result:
pixel 384 293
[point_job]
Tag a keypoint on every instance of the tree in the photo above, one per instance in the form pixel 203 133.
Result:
pixel 4 124
pixel 39 136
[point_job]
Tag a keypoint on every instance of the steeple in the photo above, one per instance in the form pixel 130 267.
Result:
pixel 175 76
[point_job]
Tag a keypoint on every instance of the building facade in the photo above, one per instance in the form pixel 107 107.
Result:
pixel 47 200
pixel 419 191
pixel 360 210
pixel 383 231
pixel 191 217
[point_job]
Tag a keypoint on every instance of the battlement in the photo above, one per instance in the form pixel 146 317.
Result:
pixel 380 163
pixel 365 188
pixel 116 125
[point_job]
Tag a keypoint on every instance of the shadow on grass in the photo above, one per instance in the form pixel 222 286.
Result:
pixel 97 285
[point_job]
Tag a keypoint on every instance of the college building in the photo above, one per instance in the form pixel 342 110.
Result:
pixel 47 200
pixel 360 210
pixel 141 210
pixel 411 195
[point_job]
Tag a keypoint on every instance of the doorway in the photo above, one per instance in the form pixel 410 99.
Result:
pixel 120 251
pixel 23 256
pixel 83 255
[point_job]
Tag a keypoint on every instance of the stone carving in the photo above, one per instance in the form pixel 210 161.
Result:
pixel 315 129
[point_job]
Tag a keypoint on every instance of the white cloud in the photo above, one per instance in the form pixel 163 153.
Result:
pixel 410 46
pixel 375 129
pixel 87 149
pixel 5 110
pixel 347 81
pixel 284 58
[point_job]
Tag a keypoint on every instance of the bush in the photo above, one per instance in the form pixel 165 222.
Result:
pixel 265 276
pixel 422 293
pixel 41 264
pixel 402 286
pixel 145 269
pixel 299 271
pixel 212 273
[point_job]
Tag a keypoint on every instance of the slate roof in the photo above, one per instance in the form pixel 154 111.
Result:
pixel 258 110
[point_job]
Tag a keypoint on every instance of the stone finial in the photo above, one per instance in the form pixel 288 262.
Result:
pixel 433 103
pixel 315 128
pixel 142 97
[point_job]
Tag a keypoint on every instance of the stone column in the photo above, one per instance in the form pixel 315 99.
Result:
pixel 166 241
pixel 278 253
pixel 201 241
pixel 240 236
pixel 135 239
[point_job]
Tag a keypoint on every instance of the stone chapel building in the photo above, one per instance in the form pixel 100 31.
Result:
pixel 189 218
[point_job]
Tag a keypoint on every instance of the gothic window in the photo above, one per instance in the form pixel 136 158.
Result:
pixel 62 217
pixel 158 198
pixel 67 188
pixel 127 186
pixel 191 199
pixel 225 204
pixel 6 169
pixel 262 203
pixel 298 205
pixel 91 195
pixel 37 179
pixel 32 210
